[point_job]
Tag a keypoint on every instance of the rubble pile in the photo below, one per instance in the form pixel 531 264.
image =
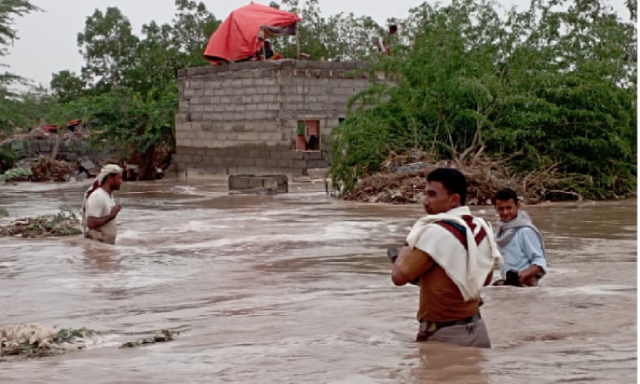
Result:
pixel 64 223
pixel 87 168
pixel 404 177
pixel 34 340
pixel 47 169
pixel 75 156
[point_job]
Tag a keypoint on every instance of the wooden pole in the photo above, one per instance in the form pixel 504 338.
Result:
pixel 264 50
pixel 297 43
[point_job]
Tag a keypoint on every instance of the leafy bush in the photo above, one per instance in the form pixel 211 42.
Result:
pixel 21 173
pixel 557 85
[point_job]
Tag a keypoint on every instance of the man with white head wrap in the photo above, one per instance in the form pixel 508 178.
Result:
pixel 99 209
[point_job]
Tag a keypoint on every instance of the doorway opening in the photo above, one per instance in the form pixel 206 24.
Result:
pixel 308 135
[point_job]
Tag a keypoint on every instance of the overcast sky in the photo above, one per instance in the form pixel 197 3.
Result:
pixel 47 40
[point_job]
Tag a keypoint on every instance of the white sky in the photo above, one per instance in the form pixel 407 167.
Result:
pixel 47 40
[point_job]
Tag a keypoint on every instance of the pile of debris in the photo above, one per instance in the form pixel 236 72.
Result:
pixel 163 337
pixel 34 340
pixel 87 168
pixel 64 223
pixel 404 179
pixel 146 166
pixel 47 169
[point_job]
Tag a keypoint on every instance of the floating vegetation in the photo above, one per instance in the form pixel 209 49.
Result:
pixel 16 174
pixel 163 337
pixel 64 223
pixel 34 340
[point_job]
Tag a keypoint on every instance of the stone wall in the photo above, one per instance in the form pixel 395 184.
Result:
pixel 69 150
pixel 242 118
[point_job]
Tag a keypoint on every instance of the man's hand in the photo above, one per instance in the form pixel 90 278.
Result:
pixel 97 222
pixel 404 251
pixel 528 273
pixel 115 210
pixel 397 276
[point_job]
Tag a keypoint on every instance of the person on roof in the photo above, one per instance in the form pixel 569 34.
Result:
pixel 384 44
pixel 391 39
pixel 271 54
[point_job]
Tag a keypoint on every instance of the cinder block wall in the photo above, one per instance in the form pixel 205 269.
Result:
pixel 242 118
pixel 69 150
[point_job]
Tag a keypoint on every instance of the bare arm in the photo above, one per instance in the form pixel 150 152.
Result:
pixel 397 276
pixel 528 273
pixel 98 222
pixel 532 247
pixel 410 265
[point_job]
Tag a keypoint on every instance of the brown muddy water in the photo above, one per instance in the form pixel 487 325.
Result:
pixel 296 288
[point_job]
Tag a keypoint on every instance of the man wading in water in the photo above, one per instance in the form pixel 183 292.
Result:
pixel 519 241
pixel 453 254
pixel 99 209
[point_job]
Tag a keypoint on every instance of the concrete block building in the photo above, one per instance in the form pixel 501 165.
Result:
pixel 269 117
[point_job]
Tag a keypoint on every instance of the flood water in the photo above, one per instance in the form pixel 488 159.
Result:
pixel 296 288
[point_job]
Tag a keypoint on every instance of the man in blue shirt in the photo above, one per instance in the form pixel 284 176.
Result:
pixel 520 242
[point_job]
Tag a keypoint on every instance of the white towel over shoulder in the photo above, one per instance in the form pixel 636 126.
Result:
pixel 468 269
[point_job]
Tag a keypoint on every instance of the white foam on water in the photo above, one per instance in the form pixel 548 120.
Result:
pixel 197 226
pixel 129 234
pixel 244 218
pixel 562 271
pixel 354 379
pixel 353 230
pixel 603 290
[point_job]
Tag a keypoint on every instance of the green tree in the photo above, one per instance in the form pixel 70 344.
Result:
pixel 138 124
pixel 128 85
pixel 353 37
pixel 557 85
pixel 108 46
pixel 11 114
pixel 25 109
pixel 157 59
pixel 192 27
pixel 337 37
pixel 67 86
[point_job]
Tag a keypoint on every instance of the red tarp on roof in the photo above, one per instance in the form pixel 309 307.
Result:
pixel 237 37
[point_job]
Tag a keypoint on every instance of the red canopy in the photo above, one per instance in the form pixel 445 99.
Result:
pixel 238 36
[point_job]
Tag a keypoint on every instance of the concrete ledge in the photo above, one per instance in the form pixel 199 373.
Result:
pixel 279 183
pixel 280 64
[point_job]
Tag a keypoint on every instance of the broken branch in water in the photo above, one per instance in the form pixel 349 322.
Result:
pixel 561 192
pixel 165 336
